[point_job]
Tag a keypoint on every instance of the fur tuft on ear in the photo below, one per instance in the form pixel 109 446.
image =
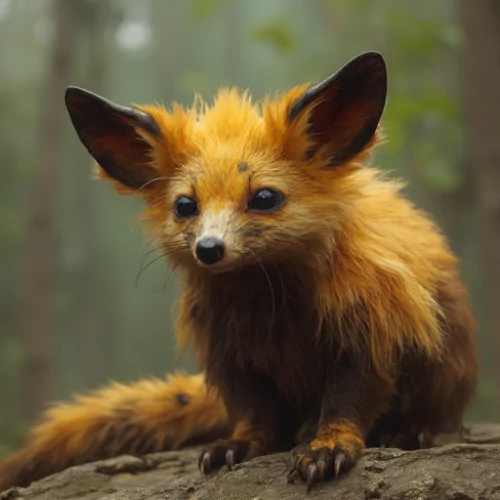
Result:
pixel 119 138
pixel 343 111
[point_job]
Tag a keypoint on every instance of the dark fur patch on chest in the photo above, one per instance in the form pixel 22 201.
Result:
pixel 263 322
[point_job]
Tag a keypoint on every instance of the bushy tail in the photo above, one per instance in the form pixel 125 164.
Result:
pixel 148 416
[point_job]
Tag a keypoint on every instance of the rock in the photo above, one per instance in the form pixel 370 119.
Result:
pixel 469 470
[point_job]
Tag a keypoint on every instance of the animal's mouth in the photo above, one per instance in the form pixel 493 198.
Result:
pixel 218 267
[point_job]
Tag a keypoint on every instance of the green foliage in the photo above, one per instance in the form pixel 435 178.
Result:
pixel 278 33
pixel 201 10
pixel 442 175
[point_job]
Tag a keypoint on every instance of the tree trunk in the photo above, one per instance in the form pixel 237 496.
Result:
pixel 481 70
pixel 37 333
pixel 85 313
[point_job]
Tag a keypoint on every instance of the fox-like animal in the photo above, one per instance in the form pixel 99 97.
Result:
pixel 326 311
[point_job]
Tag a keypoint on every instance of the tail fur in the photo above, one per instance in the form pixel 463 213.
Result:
pixel 148 416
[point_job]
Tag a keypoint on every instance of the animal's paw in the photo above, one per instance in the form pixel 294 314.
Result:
pixel 226 452
pixel 314 464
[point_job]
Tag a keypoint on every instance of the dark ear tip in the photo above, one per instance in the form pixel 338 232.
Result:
pixel 74 94
pixel 72 91
pixel 371 55
pixel 374 59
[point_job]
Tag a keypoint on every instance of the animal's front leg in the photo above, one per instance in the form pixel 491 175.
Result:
pixel 253 408
pixel 247 442
pixel 352 400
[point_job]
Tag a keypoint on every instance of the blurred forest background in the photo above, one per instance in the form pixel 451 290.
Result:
pixel 72 313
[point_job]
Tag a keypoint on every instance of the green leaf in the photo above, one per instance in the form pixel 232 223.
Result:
pixel 441 175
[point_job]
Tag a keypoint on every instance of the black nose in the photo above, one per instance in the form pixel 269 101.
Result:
pixel 210 250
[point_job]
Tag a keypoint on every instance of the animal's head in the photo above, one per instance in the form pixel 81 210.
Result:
pixel 236 183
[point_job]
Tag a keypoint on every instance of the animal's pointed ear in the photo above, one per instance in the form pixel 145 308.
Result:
pixel 115 136
pixel 345 108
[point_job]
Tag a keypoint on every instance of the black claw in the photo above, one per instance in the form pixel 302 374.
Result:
pixel 230 459
pixel 205 463
pixel 321 467
pixel 312 476
pixel 340 461
pixel 293 463
pixel 316 465
pixel 292 472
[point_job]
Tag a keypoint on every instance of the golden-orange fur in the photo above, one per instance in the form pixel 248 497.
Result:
pixel 368 262
pixel 150 415
pixel 344 307
pixel 339 432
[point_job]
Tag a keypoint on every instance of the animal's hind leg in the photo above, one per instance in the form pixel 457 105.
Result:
pixel 432 393
pixel 395 430
pixel 442 389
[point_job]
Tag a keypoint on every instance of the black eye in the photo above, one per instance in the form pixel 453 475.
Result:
pixel 185 207
pixel 266 199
